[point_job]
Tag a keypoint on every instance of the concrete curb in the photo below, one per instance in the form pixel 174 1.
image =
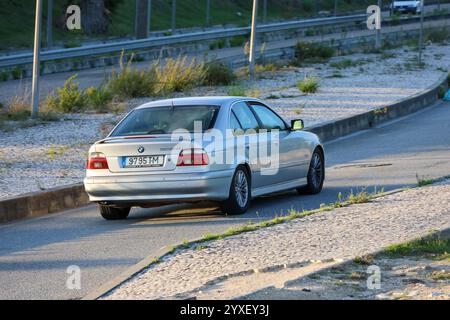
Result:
pixel 132 271
pixel 73 196
pixel 339 128
pixel 43 202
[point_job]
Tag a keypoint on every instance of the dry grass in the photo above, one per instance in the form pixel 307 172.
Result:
pixel 178 75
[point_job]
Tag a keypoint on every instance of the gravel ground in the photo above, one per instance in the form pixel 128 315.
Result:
pixel 50 155
pixel 328 237
pixel 413 278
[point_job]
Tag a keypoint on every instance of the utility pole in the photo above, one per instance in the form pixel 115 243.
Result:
pixel 265 11
pixel 174 15
pixel 251 67
pixel 422 5
pixel 36 64
pixel 141 19
pixel 149 17
pixel 49 23
pixel 208 12
pixel 378 37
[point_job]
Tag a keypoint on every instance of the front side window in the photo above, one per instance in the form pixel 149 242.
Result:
pixel 165 120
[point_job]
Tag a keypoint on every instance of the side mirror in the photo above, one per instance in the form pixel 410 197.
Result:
pixel 297 125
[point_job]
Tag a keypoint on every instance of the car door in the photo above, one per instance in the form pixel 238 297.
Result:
pixel 288 144
pixel 242 117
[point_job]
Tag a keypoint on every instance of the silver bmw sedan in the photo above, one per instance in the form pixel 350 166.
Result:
pixel 222 149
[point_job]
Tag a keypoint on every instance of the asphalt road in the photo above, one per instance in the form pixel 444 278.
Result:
pixel 35 253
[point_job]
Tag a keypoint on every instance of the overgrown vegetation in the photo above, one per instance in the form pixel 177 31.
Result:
pixel 312 52
pixel 432 245
pixel 308 85
pixel 437 35
pixel 69 98
pixel 348 63
pixel 18 109
pixel 358 198
pixel 422 182
pixel 99 98
pixel 217 73
pixel 130 82
pixel 364 260
pixel 177 75
pixel 242 91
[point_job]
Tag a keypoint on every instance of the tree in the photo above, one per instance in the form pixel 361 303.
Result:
pixel 94 16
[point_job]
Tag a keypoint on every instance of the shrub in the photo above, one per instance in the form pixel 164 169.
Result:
pixel 217 73
pixel 68 98
pixel 308 51
pixel 237 41
pixel 19 109
pixel 130 82
pixel 268 67
pixel 308 85
pixel 99 98
pixel 4 76
pixel 178 75
pixel 437 35
pixel 218 44
pixel 236 91
pixel 17 73
pixel 241 91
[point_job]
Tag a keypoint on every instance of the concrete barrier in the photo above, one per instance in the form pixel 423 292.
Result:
pixel 338 128
pixel 63 198
pixel 42 203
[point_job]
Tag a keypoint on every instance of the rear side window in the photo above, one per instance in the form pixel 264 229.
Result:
pixel 269 119
pixel 165 120
pixel 234 122
pixel 245 116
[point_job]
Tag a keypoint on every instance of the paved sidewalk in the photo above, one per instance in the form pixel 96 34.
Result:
pixel 233 266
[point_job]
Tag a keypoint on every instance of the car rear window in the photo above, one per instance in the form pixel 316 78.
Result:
pixel 165 120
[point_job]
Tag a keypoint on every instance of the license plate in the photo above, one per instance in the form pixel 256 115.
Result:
pixel 144 161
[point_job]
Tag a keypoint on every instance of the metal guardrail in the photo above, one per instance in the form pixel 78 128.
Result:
pixel 100 49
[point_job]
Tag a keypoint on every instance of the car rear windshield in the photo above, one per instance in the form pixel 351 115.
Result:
pixel 165 120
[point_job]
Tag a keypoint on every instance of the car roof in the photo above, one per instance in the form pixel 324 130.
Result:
pixel 212 101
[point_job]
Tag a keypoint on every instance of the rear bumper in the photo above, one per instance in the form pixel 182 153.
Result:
pixel 160 188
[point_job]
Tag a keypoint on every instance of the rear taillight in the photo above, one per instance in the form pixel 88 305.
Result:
pixel 97 161
pixel 193 157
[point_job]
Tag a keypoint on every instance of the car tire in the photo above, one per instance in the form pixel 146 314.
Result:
pixel 316 174
pixel 239 198
pixel 113 213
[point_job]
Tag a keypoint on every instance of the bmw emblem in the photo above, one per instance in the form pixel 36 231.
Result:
pixel 141 149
